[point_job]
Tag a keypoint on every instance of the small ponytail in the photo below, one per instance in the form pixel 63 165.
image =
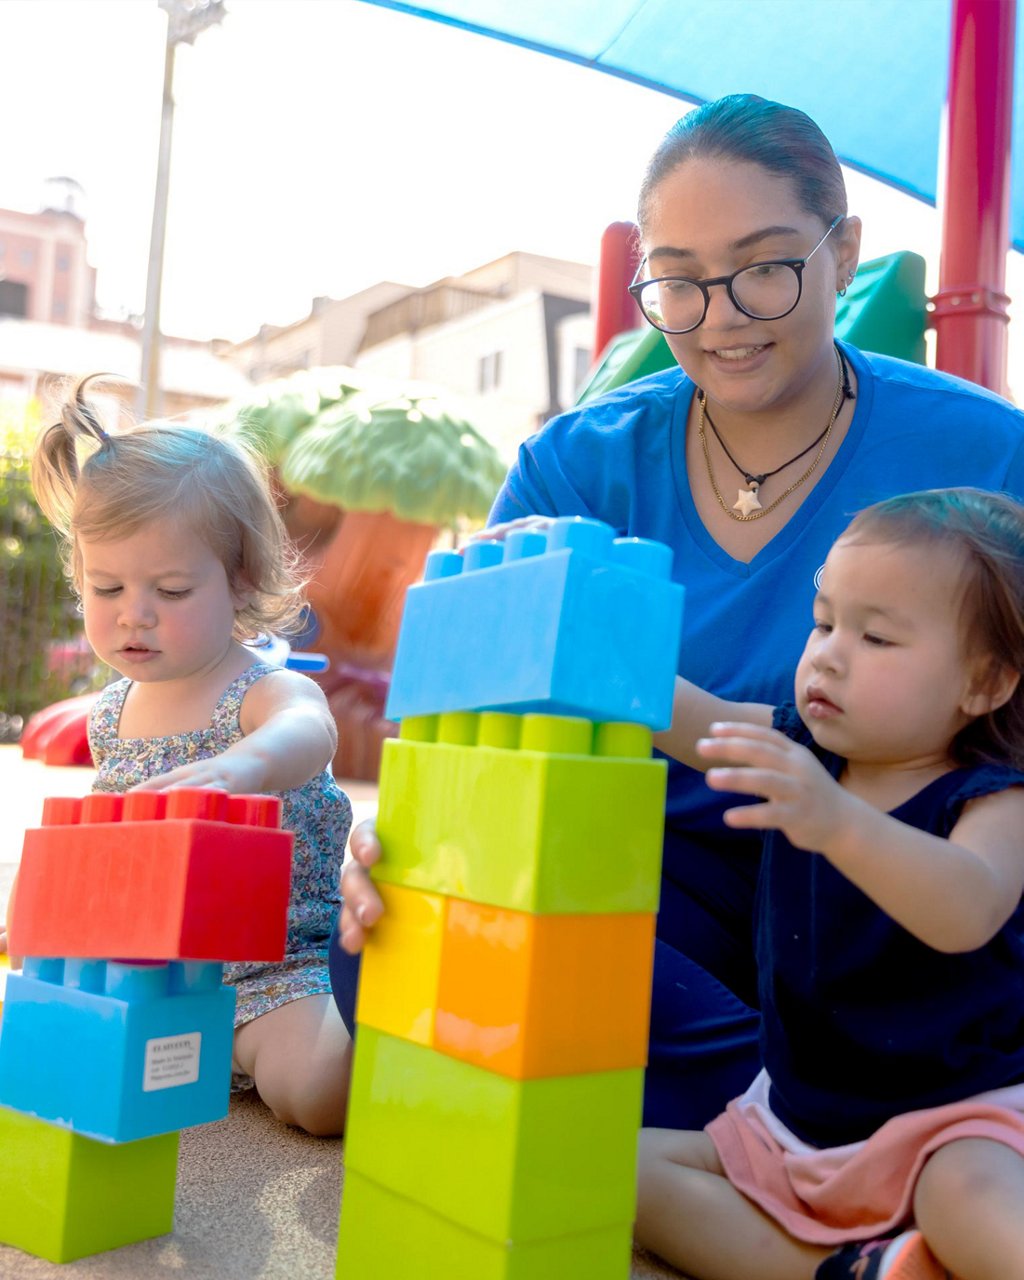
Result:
pixel 55 465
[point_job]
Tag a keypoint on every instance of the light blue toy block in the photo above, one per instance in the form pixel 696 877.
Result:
pixel 63 1196
pixel 384 1236
pixel 571 622
pixel 117 1051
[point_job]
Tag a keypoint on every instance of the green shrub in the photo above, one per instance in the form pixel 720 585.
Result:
pixel 37 607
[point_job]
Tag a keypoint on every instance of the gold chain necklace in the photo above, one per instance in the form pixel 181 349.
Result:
pixel 747 503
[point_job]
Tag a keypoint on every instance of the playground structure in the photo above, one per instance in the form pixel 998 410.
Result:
pixel 504 998
pixel 102 1060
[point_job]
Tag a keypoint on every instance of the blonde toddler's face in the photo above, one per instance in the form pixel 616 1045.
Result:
pixel 157 604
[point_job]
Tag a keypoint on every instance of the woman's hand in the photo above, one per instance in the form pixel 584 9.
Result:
pixel 499 532
pixel 800 796
pixel 361 903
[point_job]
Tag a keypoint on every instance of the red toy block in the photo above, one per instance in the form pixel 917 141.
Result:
pixel 186 874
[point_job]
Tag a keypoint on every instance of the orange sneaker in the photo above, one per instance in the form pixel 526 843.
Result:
pixel 905 1257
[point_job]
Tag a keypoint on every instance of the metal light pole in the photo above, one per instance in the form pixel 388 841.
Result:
pixel 185 20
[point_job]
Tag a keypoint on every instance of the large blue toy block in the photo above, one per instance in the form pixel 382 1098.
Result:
pixel 117 1051
pixel 572 622
pixel 384 1236
pixel 63 1196
pixel 511 1160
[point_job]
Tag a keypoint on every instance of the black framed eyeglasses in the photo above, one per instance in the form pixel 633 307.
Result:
pixel 763 291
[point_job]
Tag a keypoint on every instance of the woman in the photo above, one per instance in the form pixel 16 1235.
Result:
pixel 749 460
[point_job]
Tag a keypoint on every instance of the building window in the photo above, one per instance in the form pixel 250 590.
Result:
pixel 13 298
pixel 26 257
pixel 59 309
pixel 490 372
pixel 63 262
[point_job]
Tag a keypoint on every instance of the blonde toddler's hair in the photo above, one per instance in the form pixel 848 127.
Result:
pixel 162 470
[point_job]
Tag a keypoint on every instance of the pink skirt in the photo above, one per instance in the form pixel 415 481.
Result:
pixel 855 1192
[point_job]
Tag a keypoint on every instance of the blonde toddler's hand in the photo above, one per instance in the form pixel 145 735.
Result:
pixel 361 903
pixel 222 773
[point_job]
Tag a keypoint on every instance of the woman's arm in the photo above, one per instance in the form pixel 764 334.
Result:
pixel 694 711
pixel 953 895
pixel 290 736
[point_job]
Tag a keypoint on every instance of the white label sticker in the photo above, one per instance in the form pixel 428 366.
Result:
pixel 172 1062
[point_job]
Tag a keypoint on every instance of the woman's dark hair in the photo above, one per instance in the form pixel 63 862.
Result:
pixel 754 130
pixel 986 532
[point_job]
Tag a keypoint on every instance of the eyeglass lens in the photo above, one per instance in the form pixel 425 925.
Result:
pixel 764 291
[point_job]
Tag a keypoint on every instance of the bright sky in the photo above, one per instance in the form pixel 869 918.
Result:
pixel 322 145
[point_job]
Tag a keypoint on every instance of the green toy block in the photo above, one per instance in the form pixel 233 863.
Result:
pixel 64 1196
pixel 538 813
pixel 419 1243
pixel 511 1160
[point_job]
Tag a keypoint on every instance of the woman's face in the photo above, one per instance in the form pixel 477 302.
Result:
pixel 710 217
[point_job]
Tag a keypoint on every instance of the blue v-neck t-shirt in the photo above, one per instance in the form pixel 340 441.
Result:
pixel 621 459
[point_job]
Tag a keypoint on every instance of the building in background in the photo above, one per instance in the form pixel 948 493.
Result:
pixel 329 335
pixel 51 331
pixel 44 271
pixel 509 340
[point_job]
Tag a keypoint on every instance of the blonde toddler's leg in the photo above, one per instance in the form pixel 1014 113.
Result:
pixel 300 1056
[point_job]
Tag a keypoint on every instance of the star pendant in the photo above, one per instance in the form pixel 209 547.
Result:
pixel 746 501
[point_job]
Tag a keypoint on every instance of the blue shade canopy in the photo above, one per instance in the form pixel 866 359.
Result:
pixel 871 73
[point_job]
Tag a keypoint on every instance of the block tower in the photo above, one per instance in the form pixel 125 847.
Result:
pixel 103 1060
pixel 504 996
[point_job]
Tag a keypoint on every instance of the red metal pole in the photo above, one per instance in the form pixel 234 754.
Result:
pixel 615 311
pixel 970 317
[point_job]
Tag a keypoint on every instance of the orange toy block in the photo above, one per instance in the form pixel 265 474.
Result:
pixel 185 874
pixel 401 963
pixel 535 996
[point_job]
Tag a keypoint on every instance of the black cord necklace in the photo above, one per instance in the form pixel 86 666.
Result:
pixel 747 503
pixel 756 481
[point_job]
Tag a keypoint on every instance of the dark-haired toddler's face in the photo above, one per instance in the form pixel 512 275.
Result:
pixel 883 679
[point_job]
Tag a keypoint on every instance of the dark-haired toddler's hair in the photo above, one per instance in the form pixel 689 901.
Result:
pixel 94 486
pixel 986 531
pixel 744 127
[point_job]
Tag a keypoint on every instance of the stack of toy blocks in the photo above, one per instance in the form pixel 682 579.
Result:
pixel 504 997
pixel 103 1060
